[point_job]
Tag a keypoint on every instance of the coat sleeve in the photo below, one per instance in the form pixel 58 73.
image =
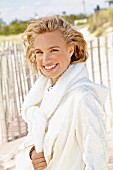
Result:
pixel 91 133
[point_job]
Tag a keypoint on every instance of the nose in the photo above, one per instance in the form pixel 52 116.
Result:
pixel 46 58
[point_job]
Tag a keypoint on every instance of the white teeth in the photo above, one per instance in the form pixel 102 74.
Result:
pixel 49 67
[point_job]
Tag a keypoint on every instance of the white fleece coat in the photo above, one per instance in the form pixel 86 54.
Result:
pixel 66 122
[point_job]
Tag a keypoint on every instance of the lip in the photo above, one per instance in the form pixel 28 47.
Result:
pixel 51 69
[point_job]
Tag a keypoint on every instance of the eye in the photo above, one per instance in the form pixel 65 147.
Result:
pixel 38 52
pixel 54 50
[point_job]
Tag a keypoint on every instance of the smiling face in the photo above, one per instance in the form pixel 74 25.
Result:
pixel 53 55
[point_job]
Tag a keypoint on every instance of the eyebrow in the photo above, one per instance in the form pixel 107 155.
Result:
pixel 49 47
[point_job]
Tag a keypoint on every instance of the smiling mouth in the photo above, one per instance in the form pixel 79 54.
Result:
pixel 50 68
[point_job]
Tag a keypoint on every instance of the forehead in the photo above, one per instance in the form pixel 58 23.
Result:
pixel 49 38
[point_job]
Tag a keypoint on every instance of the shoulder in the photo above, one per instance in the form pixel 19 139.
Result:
pixel 90 107
pixel 85 93
pixel 88 103
pixel 89 100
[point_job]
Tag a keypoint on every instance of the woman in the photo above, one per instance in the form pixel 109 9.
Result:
pixel 64 109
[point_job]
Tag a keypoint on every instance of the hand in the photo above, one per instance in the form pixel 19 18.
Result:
pixel 38 160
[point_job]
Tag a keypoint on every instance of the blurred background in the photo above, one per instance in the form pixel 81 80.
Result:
pixel 93 18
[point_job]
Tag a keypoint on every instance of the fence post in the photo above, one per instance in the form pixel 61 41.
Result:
pixel 108 72
pixel 92 62
pixel 99 60
pixel 3 130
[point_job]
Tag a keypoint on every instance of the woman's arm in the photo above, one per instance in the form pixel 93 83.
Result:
pixel 91 133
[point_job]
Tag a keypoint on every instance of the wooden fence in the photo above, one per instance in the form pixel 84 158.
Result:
pixel 100 66
pixel 14 84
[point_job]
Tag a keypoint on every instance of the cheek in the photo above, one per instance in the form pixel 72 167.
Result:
pixel 38 61
pixel 59 58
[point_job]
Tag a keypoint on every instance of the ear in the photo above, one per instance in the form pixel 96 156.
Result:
pixel 71 50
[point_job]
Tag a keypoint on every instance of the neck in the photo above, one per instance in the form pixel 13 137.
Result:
pixel 54 80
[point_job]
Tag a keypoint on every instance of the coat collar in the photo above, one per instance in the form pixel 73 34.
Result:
pixel 69 78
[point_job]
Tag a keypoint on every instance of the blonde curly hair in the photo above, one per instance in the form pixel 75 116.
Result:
pixel 49 24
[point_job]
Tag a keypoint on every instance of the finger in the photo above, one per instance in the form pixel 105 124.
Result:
pixel 37 161
pixel 40 165
pixel 42 168
pixel 36 155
